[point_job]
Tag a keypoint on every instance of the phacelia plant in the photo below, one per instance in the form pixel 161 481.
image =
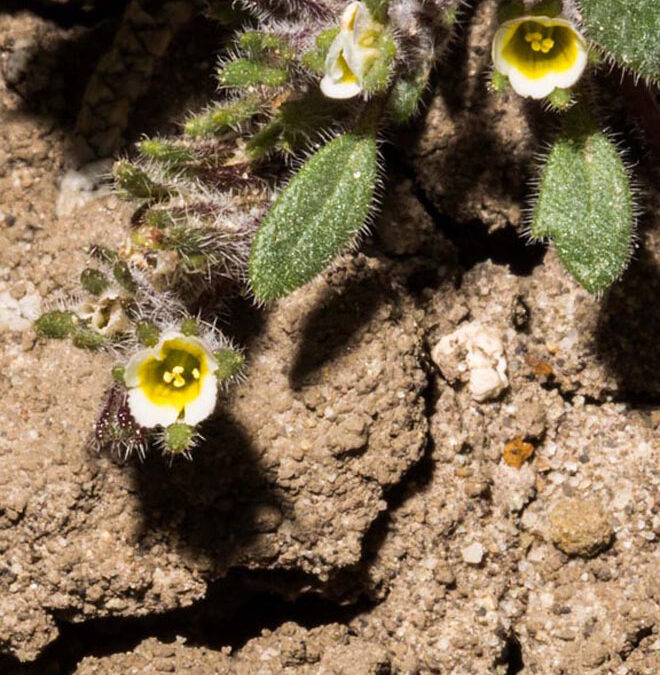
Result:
pixel 312 84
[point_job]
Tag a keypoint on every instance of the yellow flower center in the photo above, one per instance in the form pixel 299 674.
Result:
pixel 538 43
pixel 176 378
pixel 347 75
pixel 173 377
pixel 537 49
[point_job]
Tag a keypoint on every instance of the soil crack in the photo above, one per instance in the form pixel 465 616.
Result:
pixel 217 621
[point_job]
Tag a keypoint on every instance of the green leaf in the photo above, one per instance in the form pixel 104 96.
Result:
pixel 230 361
pixel 405 96
pixel 547 8
pixel 318 215
pixel 133 183
pixel 165 151
pixel 179 438
pixel 222 117
pixel 123 276
pixel 560 99
pixel 629 30
pixel 93 281
pixel 295 123
pixel 57 324
pixel 246 73
pixel 260 45
pixel 377 74
pixel 147 333
pixel 378 9
pixel 585 204
pixel 84 338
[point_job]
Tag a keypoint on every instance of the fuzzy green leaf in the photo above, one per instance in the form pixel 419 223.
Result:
pixel 259 44
pixel 165 151
pixel 629 30
pixel 84 338
pixel 133 183
pixel 93 281
pixel 57 324
pixel 509 9
pixel 246 73
pixel 230 361
pixel 147 333
pixel 560 99
pixel 585 203
pixel 179 438
pixel 405 96
pixel 378 9
pixel 222 117
pixel 295 123
pixel 318 215
pixel 377 75
pixel 123 276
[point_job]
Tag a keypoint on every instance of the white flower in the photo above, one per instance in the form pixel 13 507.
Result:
pixel 105 314
pixel 173 381
pixel 539 54
pixel 351 53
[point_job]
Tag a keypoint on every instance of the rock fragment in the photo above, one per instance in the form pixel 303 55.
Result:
pixel 476 353
pixel 580 527
pixel 473 554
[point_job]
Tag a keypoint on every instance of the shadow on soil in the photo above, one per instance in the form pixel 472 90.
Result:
pixel 51 70
pixel 339 315
pixel 629 328
pixel 215 505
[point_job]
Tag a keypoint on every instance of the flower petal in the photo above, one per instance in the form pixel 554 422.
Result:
pixel 529 88
pixel 131 377
pixel 339 80
pixel 339 90
pixel 204 404
pixel 148 414
pixel 349 15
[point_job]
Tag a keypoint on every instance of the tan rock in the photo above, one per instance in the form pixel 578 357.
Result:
pixel 580 527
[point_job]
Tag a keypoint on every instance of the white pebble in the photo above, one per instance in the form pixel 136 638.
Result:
pixel 473 554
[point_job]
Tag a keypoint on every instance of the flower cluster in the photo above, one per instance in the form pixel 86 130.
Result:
pixel 167 388
pixel 211 219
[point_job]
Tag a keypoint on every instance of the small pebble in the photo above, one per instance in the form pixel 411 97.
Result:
pixel 473 554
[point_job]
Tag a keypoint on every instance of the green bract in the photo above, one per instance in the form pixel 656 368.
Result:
pixel 178 438
pixel 318 215
pixel 585 204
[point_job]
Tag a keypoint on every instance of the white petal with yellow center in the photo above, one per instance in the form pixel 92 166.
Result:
pixel 339 81
pixel 204 404
pixel 146 414
pixel 350 53
pixel 175 379
pixel 539 54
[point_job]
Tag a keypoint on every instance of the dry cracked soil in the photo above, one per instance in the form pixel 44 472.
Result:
pixel 444 457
